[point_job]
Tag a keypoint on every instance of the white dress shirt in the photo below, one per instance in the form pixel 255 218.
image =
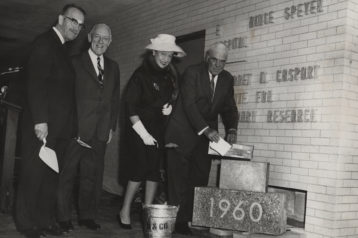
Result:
pixel 215 81
pixel 93 57
pixel 59 35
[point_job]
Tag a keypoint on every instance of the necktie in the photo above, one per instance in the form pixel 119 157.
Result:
pixel 100 71
pixel 212 86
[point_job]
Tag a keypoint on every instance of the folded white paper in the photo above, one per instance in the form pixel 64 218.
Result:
pixel 82 143
pixel 221 147
pixel 48 156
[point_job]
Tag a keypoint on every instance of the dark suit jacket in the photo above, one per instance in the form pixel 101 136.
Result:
pixel 49 87
pixel 97 107
pixel 195 110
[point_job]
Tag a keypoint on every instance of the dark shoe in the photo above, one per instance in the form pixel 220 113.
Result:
pixel 182 228
pixel 66 226
pixel 123 225
pixel 53 230
pixel 90 224
pixel 33 233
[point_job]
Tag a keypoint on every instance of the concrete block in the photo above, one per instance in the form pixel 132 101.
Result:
pixel 221 232
pixel 241 235
pixel 240 210
pixel 244 175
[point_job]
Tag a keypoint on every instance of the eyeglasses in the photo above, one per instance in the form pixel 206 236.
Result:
pixel 75 22
pixel 98 38
pixel 217 61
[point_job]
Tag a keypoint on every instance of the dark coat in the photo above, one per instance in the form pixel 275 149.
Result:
pixel 49 87
pixel 148 89
pixel 195 110
pixel 49 99
pixel 97 106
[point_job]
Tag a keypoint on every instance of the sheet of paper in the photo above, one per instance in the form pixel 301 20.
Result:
pixel 48 156
pixel 221 147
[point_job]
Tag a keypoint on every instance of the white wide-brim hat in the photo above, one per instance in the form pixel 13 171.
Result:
pixel 166 42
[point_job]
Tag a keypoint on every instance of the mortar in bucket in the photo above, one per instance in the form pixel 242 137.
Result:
pixel 159 220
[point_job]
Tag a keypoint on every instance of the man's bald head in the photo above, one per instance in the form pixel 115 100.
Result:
pixel 216 57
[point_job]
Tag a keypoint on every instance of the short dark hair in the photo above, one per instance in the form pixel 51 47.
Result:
pixel 72 5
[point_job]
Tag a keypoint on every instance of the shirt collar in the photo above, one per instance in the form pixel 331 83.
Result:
pixel 94 56
pixel 59 35
pixel 211 76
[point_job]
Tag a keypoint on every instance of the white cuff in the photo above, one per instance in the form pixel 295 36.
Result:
pixel 202 131
pixel 140 129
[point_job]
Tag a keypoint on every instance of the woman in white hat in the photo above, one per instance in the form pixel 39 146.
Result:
pixel 148 97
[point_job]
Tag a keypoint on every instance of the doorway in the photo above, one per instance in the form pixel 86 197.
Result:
pixel 194 45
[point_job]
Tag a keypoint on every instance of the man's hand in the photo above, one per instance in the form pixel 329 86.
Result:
pixel 41 130
pixel 212 134
pixel 110 136
pixel 231 136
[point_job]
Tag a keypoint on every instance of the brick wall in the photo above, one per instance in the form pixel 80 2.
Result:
pixel 296 89
pixel 346 216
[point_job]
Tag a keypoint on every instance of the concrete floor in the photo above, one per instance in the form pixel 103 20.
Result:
pixel 110 229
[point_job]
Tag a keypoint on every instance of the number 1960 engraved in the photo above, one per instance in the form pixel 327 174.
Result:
pixel 238 213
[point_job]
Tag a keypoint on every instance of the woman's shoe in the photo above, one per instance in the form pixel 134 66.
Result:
pixel 123 225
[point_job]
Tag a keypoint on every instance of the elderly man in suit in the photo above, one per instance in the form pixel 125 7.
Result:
pixel 97 93
pixel 206 91
pixel 47 116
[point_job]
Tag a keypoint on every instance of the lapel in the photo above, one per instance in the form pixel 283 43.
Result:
pixel 56 39
pixel 218 87
pixel 107 69
pixel 89 66
pixel 206 82
pixel 61 48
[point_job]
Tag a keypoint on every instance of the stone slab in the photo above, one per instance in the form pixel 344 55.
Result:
pixel 237 151
pixel 221 232
pixel 241 235
pixel 244 175
pixel 255 212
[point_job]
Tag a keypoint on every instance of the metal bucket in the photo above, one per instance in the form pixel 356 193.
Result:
pixel 159 220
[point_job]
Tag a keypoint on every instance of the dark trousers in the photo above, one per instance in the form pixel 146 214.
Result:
pixel 88 165
pixel 185 172
pixel 37 188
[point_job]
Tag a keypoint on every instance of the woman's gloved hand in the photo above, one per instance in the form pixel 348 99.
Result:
pixel 143 133
pixel 167 109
